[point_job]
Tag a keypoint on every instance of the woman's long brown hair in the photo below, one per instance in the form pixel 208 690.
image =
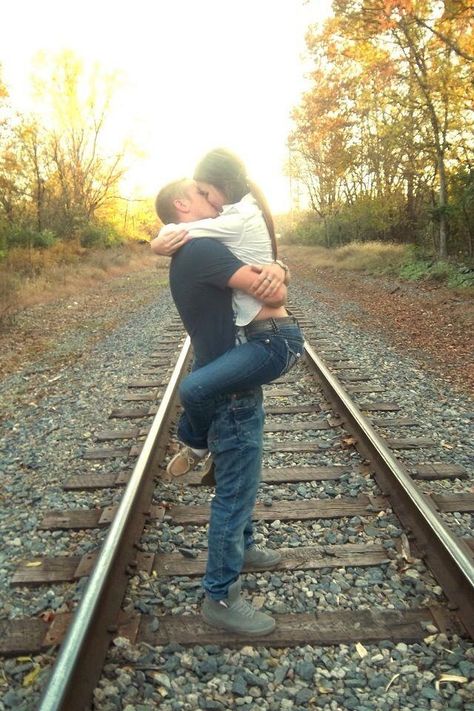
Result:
pixel 226 171
pixel 267 215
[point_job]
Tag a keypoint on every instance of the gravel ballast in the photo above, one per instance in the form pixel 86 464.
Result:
pixel 52 417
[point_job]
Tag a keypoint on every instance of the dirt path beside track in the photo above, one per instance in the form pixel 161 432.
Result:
pixel 432 323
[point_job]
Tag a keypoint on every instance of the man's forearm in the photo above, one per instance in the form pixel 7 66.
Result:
pixel 268 290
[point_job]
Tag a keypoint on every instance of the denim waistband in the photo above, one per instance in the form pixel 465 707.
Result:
pixel 271 325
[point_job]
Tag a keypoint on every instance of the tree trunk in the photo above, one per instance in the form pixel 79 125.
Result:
pixel 443 204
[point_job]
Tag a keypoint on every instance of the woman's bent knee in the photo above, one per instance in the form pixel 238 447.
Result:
pixel 189 391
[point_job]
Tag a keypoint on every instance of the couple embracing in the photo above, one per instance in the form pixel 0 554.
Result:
pixel 230 291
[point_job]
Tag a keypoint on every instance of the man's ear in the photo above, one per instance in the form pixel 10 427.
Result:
pixel 182 205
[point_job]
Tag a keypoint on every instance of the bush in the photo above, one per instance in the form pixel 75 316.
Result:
pixel 32 262
pixel 9 290
pixel 28 238
pixel 45 238
pixel 98 235
pixel 306 229
pixel 368 219
pixel 425 267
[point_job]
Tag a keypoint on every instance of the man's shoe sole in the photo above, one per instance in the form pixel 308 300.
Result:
pixel 229 628
pixel 263 566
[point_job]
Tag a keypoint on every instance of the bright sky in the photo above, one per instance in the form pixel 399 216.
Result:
pixel 197 75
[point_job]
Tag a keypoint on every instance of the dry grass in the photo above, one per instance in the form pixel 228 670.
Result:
pixel 29 278
pixel 357 256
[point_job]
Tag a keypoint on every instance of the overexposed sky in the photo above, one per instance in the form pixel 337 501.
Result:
pixel 196 75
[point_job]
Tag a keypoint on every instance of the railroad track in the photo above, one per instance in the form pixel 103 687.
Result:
pixel 310 414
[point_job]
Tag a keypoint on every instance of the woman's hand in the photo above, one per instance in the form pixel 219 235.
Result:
pixel 269 280
pixel 169 243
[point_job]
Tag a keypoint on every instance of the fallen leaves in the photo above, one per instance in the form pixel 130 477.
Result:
pixel 361 650
pixel 450 678
pixel 31 677
pixel 348 441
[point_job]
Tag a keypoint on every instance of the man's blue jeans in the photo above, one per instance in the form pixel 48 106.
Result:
pixel 236 443
pixel 265 357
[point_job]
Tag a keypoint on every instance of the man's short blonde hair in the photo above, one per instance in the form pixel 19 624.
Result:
pixel 164 203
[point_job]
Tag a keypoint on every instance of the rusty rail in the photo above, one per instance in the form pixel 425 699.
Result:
pixel 448 557
pixel 82 654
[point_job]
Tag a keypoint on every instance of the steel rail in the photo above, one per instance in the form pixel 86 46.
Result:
pixel 448 557
pixel 80 660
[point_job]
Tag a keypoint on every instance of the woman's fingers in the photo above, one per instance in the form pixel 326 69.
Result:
pixel 176 240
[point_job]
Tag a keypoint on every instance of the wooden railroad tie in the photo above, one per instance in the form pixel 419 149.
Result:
pixel 307 509
pixel 34 635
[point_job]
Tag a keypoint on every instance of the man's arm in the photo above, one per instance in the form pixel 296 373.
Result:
pixel 244 279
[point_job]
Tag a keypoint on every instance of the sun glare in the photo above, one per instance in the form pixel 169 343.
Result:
pixel 193 76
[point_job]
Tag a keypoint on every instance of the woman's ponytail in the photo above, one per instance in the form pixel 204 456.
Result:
pixel 267 215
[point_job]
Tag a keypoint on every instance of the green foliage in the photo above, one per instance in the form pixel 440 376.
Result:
pixel 416 270
pixel 99 235
pixel 28 237
pixel 462 211
pixel 420 267
pixel 365 220
pixel 306 229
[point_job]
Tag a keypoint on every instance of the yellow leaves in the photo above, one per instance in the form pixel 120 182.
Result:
pixel 361 650
pixel 405 549
pixel 324 690
pixel 31 677
pixel 34 564
pixel 450 678
pixel 348 441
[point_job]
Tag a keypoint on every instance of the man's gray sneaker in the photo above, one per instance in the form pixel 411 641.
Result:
pixel 236 614
pixel 261 557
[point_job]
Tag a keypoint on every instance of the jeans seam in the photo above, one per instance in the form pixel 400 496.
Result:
pixel 229 513
pixel 245 463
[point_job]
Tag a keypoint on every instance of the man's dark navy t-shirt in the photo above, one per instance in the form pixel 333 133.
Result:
pixel 199 273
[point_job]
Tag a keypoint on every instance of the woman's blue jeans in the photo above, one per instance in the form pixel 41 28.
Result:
pixel 264 357
pixel 236 443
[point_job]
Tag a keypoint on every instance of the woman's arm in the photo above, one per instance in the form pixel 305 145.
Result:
pixel 167 243
pixel 227 228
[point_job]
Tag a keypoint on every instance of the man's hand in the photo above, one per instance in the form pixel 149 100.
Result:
pixel 169 243
pixel 269 280
pixel 270 293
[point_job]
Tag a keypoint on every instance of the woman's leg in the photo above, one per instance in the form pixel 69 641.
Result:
pixel 259 361
pixel 240 369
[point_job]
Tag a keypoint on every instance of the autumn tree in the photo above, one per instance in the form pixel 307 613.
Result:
pixel 402 79
pixel 8 162
pixel 84 170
